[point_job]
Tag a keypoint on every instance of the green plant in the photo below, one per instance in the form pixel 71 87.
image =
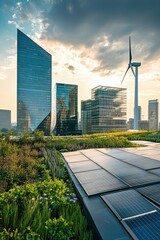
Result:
pixel 57 229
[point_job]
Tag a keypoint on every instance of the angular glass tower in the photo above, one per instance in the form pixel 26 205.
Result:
pixel 66 109
pixel 34 84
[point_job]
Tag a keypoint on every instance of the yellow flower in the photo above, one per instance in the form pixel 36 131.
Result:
pixel 33 199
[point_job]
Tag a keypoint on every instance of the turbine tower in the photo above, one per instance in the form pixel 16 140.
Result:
pixel 135 73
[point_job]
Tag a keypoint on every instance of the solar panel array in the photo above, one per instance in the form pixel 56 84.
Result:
pixel 128 184
pixel 136 160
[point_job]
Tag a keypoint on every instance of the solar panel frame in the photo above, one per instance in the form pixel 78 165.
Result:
pixel 128 203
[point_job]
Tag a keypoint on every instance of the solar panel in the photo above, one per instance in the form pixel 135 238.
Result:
pixel 128 203
pixel 155 171
pixel 99 181
pixel 139 177
pixel 83 166
pixel 76 158
pixel 142 162
pixel 145 227
pixel 152 192
pixel 109 150
pixel 71 153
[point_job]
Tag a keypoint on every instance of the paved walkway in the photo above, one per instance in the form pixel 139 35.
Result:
pixel 119 189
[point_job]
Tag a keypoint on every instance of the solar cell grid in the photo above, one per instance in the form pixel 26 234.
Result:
pixel 128 203
pixel 145 227
pixel 152 192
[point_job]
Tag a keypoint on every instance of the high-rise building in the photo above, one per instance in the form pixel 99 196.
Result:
pixel 139 113
pixel 107 110
pixel 86 116
pixel 5 119
pixel 153 114
pixel 66 109
pixel 143 125
pixel 34 84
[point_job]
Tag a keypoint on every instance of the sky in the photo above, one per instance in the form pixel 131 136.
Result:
pixel 88 41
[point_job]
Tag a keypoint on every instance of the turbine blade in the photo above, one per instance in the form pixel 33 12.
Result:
pixel 130 51
pixel 132 69
pixel 125 73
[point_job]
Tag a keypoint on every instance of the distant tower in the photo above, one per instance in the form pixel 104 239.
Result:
pixel 34 84
pixel 153 114
pixel 139 113
pixel 5 119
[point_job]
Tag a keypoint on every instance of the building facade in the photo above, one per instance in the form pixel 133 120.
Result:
pixel 5 119
pixel 86 116
pixel 34 84
pixel 143 125
pixel 66 109
pixel 108 110
pixel 139 113
pixel 153 113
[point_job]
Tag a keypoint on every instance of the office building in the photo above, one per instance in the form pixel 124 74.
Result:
pixel 153 112
pixel 130 123
pixel 143 125
pixel 139 113
pixel 5 119
pixel 66 109
pixel 107 110
pixel 34 84
pixel 86 116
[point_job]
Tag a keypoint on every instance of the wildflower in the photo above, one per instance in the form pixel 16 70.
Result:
pixel 33 199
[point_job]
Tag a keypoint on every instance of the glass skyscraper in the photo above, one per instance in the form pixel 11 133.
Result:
pixel 66 109
pixel 105 111
pixel 108 109
pixel 34 84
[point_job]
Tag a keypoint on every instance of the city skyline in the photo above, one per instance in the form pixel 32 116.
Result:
pixel 88 43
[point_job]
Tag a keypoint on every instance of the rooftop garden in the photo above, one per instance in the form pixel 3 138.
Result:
pixel 37 200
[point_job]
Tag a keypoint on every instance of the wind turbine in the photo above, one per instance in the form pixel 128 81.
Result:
pixel 135 73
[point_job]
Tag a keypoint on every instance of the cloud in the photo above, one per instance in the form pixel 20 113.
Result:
pixel 101 26
pixel 70 67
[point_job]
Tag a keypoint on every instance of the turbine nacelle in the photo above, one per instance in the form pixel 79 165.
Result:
pixel 136 64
